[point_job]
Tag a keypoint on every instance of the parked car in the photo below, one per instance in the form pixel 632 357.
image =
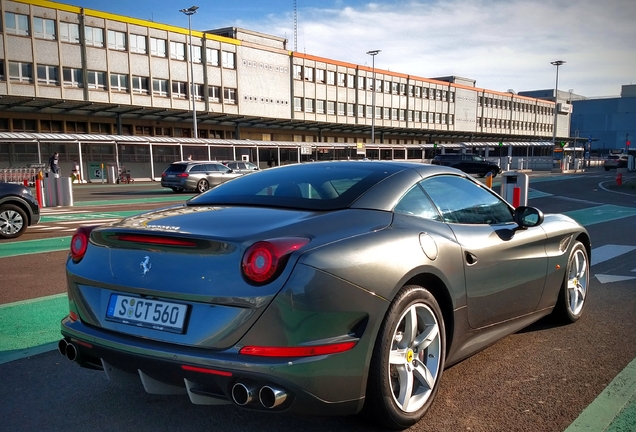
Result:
pixel 18 210
pixel 244 167
pixel 322 288
pixel 468 163
pixel 615 161
pixel 196 175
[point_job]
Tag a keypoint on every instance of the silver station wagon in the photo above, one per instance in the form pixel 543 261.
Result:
pixel 196 175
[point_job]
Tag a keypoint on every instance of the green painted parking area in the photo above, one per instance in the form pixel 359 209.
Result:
pixel 28 247
pixel 599 214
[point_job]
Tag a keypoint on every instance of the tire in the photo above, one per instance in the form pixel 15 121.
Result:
pixel 13 221
pixel 574 289
pixel 494 173
pixel 177 190
pixel 607 169
pixel 203 186
pixel 404 359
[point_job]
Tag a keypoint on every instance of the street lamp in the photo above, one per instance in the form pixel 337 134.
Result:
pixel 373 53
pixel 189 12
pixel 556 63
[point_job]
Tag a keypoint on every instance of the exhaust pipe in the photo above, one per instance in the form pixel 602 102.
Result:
pixel 271 397
pixel 72 352
pixel 243 394
pixel 61 347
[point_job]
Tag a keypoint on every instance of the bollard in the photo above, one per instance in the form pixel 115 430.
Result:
pixel 38 192
pixel 489 180
pixel 619 179
pixel 516 196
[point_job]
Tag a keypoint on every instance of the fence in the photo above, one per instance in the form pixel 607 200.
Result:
pixel 21 175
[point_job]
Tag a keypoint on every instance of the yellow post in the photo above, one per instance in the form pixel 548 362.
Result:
pixel 489 180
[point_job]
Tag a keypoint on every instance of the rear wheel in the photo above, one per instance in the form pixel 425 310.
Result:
pixel 408 359
pixel 569 307
pixel 13 221
pixel 203 186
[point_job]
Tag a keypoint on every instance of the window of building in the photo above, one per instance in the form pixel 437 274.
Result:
pixel 177 50
pixel 116 40
pixel 212 56
pixel 425 92
pixel 360 110
pixel 331 77
pixel 444 120
pixel 409 115
pixel 2 75
pixel 229 94
pixel 320 76
pixel 229 61
pixel 94 36
pixel 43 28
pixel 214 93
pixel 76 127
pixel 351 81
pixel 438 94
pixel 378 112
pixel 309 74
pixel 160 87
pixel 198 91
pixel 55 126
pixel 370 83
pixel 72 77
pixel 24 125
pixel 437 117
pixel 16 24
pixel 100 128
pixel 298 104
pixel 444 96
pixel 158 47
pixel 298 72
pixel 320 106
pixel 140 85
pixel 387 113
pixel 350 110
pixel 409 90
pixel 451 119
pixel 369 111
pixel 361 83
pixel 196 54
pixel 341 108
pixel 394 87
pixel 417 116
pixel 138 44
pixel 341 79
pixel 48 75
pixel 69 32
pixel 331 107
pixel 425 117
pixel 401 113
pixel 96 80
pixel 119 82
pixel 20 72
pixel 179 90
pixel 309 105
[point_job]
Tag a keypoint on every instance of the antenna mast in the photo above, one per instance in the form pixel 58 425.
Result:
pixel 295 27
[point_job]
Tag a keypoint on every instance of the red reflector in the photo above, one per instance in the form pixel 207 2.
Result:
pixel 155 240
pixel 82 343
pixel 298 351
pixel 73 316
pixel 206 371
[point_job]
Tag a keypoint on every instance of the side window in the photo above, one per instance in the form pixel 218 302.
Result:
pixel 198 168
pixel 416 203
pixel 461 201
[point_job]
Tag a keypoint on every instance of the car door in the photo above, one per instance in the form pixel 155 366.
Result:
pixel 504 267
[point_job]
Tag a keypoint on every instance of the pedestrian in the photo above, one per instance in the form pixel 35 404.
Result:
pixel 54 163
pixel 189 157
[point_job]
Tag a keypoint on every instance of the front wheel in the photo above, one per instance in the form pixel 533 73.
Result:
pixel 203 186
pixel 408 359
pixel 13 221
pixel 574 289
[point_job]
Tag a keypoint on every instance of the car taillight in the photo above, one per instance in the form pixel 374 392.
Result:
pixel 264 260
pixel 183 175
pixel 79 242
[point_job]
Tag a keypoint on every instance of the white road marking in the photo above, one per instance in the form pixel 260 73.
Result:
pixel 607 252
pixel 603 278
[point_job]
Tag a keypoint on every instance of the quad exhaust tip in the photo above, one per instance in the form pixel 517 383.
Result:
pixel 270 397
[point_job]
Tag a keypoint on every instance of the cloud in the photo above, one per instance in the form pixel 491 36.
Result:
pixel 502 44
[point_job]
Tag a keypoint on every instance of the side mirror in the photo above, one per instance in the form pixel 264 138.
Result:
pixel 527 217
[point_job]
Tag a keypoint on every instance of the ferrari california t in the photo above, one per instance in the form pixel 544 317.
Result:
pixel 318 288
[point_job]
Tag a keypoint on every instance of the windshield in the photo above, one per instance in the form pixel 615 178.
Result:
pixel 312 186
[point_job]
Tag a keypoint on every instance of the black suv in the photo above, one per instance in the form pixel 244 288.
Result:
pixel 470 164
pixel 18 210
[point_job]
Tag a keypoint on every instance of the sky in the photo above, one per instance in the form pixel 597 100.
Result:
pixel 502 44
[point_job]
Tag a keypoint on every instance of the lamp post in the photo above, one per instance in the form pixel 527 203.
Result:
pixel 189 12
pixel 373 53
pixel 556 63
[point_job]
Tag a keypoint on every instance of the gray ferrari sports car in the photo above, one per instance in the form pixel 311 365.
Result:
pixel 318 288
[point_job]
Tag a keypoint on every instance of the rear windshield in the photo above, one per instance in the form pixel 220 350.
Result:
pixel 176 168
pixel 312 186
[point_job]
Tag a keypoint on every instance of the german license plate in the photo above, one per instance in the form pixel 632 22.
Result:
pixel 141 312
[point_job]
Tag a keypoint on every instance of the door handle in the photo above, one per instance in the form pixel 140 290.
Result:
pixel 471 259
